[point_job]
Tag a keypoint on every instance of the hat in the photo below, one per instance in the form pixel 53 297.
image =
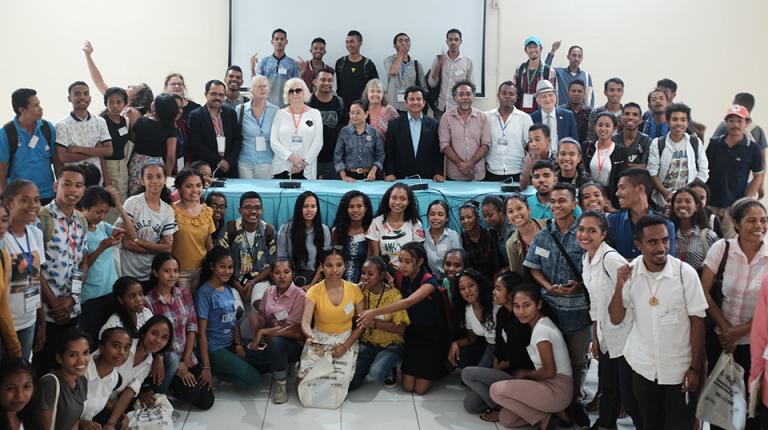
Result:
pixel 544 86
pixel 738 110
pixel 532 39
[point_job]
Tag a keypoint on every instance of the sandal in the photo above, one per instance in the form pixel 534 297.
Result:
pixel 490 415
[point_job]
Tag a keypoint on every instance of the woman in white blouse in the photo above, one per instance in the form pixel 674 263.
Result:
pixel 601 263
pixel 297 134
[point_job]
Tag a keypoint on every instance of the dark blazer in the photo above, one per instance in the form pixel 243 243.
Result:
pixel 618 164
pixel 399 159
pixel 202 138
pixel 566 123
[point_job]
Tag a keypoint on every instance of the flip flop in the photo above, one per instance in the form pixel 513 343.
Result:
pixel 490 415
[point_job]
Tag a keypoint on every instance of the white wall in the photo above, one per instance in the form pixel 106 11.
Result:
pixel 712 48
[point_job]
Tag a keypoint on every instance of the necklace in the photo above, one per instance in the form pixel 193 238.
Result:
pixel 653 301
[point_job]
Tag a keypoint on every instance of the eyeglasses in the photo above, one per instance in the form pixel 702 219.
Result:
pixel 216 207
pixel 295 91
pixel 337 248
pixel 175 84
pixel 249 208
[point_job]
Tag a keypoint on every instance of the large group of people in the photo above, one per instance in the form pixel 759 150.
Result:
pixel 124 289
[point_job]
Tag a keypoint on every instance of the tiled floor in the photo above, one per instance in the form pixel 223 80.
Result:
pixel 371 407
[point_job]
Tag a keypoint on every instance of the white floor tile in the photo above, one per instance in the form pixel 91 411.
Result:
pixel 230 391
pixel 229 414
pixel 379 416
pixel 448 414
pixel 292 415
pixel 447 388
pixel 375 392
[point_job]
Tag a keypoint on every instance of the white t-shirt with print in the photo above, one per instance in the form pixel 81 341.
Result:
pixel 24 314
pixel 392 240
pixel 150 226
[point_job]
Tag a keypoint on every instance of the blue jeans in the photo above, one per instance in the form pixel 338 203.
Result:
pixel 171 360
pixel 480 353
pixel 376 362
pixel 278 354
pixel 27 339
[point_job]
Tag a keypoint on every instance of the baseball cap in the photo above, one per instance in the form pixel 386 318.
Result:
pixel 737 110
pixel 532 39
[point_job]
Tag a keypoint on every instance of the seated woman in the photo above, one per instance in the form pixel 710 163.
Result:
pixel 154 338
pixel 480 243
pixel 218 204
pixel 534 395
pixel 303 244
pixel 453 265
pixel 221 347
pixel 426 338
pixel 510 354
pixel 332 305
pixel 18 411
pixel 277 324
pixel 381 346
pixel 181 367
pixel 103 376
pixel 693 236
pixel 359 153
pixel 129 311
pixel 397 222
pixel 353 218
pixel 62 393
pixel 492 209
pixel 474 319
pixel 526 228
pixel 195 227
pixel 440 238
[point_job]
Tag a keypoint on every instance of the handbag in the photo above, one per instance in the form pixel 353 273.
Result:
pixel 717 284
pixel 723 400
pixel 157 417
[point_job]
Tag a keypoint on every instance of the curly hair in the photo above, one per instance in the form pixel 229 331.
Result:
pixel 342 221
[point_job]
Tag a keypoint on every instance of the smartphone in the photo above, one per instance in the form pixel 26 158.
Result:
pixel 117 231
pixel 262 346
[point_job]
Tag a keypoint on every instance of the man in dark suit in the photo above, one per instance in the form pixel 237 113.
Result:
pixel 214 134
pixel 412 146
pixel 561 122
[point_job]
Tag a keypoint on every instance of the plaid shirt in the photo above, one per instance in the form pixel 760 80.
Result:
pixel 181 312
pixel 544 255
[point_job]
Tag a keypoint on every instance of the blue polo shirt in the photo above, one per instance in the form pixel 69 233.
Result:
pixel 541 210
pixel 623 234
pixel 277 72
pixel 31 162
pixel 729 170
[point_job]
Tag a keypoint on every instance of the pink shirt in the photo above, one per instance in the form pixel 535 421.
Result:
pixel 465 139
pixel 741 280
pixel 283 310
pixel 760 341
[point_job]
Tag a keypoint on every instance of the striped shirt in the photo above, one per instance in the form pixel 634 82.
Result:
pixel 693 246
pixel 741 280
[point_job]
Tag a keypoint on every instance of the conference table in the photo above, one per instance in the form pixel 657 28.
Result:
pixel 278 202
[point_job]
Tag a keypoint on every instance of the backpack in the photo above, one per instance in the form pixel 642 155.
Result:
pixel 13 139
pixel 48 226
pixel 427 93
pixel 662 143
pixel 433 93
pixel 444 306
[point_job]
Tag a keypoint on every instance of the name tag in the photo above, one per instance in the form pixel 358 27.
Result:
pixel 261 143
pixel 282 315
pixel 297 143
pixel 527 100
pixel 32 297
pixel 401 96
pixel 541 252
pixel 381 317
pixel 282 71
pixel 670 318
pixel 122 131
pixel 502 142
pixel 458 72
pixel 77 286
pixel 358 238
pixel 221 144
pixel 349 308
pixel 33 142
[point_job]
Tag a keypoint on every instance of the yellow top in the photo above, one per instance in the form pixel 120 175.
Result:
pixel 10 340
pixel 381 337
pixel 189 241
pixel 334 319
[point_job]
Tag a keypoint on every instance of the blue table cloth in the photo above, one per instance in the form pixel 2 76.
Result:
pixel 278 202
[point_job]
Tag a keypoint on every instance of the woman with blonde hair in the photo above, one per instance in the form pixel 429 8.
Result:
pixel 256 118
pixel 379 110
pixel 296 137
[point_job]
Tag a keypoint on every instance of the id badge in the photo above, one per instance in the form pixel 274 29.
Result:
pixel 33 142
pixel 282 71
pixel 122 131
pixel 261 143
pixel 349 308
pixel 221 144
pixel 297 143
pixel 502 142
pixel 32 297
pixel 401 96
pixel 670 318
pixel 282 315
pixel 77 286
pixel 527 100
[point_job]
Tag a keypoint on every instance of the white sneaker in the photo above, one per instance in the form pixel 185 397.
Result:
pixel 281 392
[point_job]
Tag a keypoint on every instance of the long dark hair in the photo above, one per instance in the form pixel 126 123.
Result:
pixel 157 263
pixel 299 251
pixel 698 218
pixel 485 297
pixel 411 212
pixel 216 254
pixel 342 221
pixel 118 290
pixel 165 193
pixel 30 414
pixel 158 319
pixel 534 292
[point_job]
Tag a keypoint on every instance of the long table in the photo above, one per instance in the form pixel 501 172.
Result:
pixel 278 202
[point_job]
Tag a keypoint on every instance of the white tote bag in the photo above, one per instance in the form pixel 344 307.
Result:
pixel 723 400
pixel 157 417
pixel 326 380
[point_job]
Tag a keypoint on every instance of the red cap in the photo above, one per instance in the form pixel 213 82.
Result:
pixel 737 110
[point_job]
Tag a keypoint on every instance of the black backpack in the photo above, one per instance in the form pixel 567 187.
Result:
pixel 13 139
pixel 433 93
pixel 662 143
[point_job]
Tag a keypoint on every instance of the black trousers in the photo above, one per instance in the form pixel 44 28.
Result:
pixel 615 378
pixel 95 312
pixel 662 407
pixel 285 175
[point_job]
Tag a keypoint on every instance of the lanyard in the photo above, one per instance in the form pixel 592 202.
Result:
pixel 28 253
pixel 217 125
pixel 260 122
pixel 502 126
pixel 296 122
pixel 368 301
pixel 599 161
pixel 530 76
pixel 73 238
